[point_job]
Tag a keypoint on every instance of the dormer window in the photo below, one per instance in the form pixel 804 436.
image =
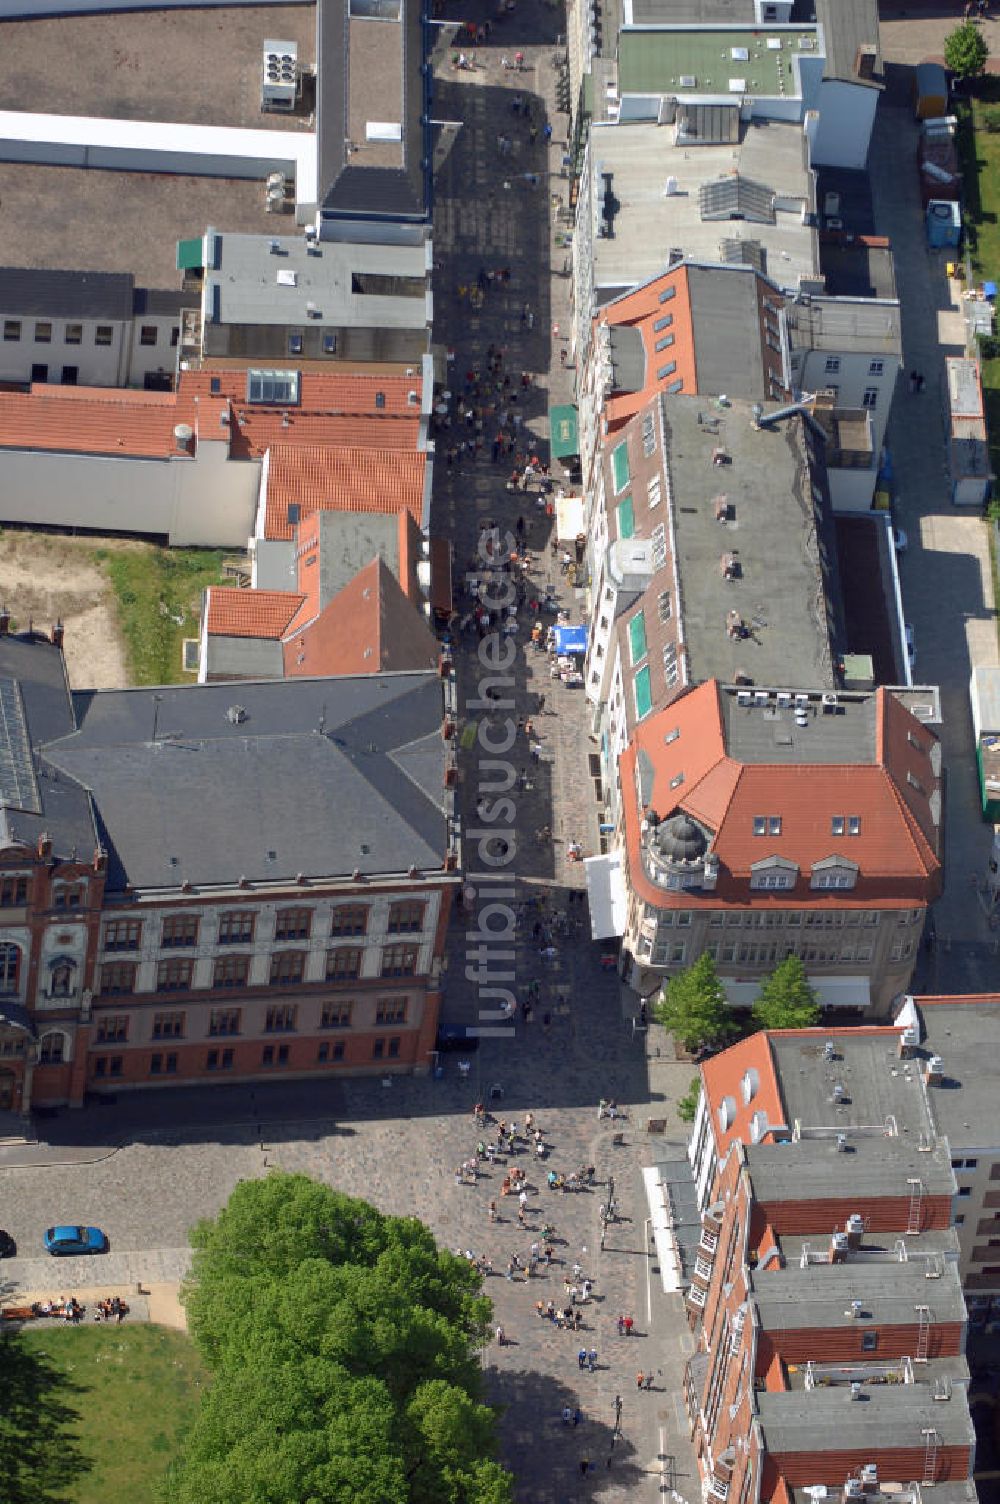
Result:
pixel 834 872
pixel 774 873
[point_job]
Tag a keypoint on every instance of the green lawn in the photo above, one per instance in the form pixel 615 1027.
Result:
pixel 979 151
pixel 158 593
pixel 127 1394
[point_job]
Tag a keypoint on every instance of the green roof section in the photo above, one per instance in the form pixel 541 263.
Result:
pixel 637 637
pixel 619 466
pixel 660 61
pixel 564 429
pixel 190 254
pixel 643 685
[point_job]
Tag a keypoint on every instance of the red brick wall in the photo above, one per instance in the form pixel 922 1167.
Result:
pixel 799 1469
pixel 824 1215
pixel 833 1344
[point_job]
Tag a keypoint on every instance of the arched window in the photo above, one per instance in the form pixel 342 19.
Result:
pixel 10 968
pixel 62 977
pixel 52 1049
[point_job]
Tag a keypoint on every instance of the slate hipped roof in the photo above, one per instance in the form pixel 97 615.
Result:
pixel 254 779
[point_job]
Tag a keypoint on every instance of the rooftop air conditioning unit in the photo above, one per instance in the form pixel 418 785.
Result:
pixel 279 85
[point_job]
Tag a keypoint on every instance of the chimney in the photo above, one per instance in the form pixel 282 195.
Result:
pixel 838 1248
pixel 854 1229
pixel 56 634
pixel 869 1478
pixel 864 60
pixel 4 621
pixel 100 858
pixel 44 846
pixel 934 1071
pixel 857 1310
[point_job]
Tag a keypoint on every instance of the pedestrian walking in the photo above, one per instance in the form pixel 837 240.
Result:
pixel 914 381
pixel 581 1357
pixel 649 1379
pixel 629 1324
pixel 567 1415
pixel 592 1359
pixel 501 1337
pixel 492 1211
pixel 640 1379
pixel 621 1326
pixel 584 1466
pixel 547 131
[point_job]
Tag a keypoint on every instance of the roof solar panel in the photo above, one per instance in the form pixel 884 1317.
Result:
pixel 18 787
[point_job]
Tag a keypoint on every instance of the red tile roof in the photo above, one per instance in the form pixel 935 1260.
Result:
pixel 341 409
pixel 896 849
pixel 250 613
pixel 322 478
pixel 89 420
pixel 723 1076
pixel 369 627
pixel 639 309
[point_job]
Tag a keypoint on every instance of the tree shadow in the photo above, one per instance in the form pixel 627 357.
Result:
pixel 40 1455
pixel 532 1406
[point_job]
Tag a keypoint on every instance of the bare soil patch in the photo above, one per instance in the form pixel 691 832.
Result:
pixel 48 577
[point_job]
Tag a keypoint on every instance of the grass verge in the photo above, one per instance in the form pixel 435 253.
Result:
pixel 135 1391
pixel 158 595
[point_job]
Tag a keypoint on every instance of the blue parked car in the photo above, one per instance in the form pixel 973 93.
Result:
pixel 60 1240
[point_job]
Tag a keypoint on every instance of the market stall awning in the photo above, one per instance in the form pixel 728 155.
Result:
pixel 190 254
pixel 831 992
pixel 441 589
pixel 606 896
pixel 565 431
pixel 570 640
pixel 569 517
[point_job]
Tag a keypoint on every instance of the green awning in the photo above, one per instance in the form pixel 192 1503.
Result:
pixel 565 428
pixel 190 254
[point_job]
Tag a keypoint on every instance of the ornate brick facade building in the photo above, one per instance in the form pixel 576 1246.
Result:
pixel 192 887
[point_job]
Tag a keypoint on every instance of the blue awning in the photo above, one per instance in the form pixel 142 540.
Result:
pixel 571 640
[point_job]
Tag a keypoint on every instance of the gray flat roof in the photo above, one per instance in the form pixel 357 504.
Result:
pixel 906 1491
pixel 966 1035
pixel 891 1415
pixel 648 222
pixel 350 540
pixel 848 25
pixel 847 324
pixel 875 1166
pixel 853 268
pixel 770 480
pixel 265 796
pixel 244 657
pixel 877 1084
pixel 770 734
pixel 188 65
pixel 728 345
pixel 247 272
pixel 674 12
pixel 36 292
pixel 59 216
pixel 820 1295
pixel 370 71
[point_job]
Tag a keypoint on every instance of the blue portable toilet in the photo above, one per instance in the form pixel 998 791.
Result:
pixel 944 223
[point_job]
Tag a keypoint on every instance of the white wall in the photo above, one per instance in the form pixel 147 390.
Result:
pixel 159 357
pixel 205 501
pixel 844 129
pixel 852 490
pixel 97 365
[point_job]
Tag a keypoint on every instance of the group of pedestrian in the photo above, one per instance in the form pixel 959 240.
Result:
pixel 488 420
